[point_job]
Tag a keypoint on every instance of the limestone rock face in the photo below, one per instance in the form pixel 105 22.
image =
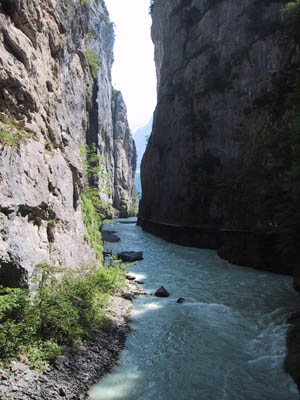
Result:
pixel 222 67
pixel 54 96
pixel 124 152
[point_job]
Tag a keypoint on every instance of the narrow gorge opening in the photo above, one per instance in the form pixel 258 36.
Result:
pixel 219 194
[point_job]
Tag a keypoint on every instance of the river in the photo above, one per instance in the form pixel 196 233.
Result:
pixel 225 342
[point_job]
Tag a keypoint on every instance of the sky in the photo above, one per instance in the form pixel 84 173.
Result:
pixel 133 70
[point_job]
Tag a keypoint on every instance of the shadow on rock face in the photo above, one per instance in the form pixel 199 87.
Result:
pixel 12 275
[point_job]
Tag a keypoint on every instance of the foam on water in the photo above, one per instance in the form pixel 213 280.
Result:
pixel 143 308
pixel 116 386
pixel 225 342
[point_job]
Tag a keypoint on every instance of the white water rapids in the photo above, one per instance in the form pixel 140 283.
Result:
pixel 226 342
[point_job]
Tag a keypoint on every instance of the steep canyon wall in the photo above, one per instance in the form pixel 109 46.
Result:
pixel 224 69
pixel 55 97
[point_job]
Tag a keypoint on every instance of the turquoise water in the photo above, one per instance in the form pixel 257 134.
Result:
pixel 226 342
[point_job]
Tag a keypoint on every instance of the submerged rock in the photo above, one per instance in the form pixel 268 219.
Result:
pixel 110 236
pixel 180 300
pixel 130 256
pixel 161 292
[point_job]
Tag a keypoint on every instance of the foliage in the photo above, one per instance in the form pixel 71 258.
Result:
pixel 68 305
pixel 292 7
pixel 93 223
pixel 133 211
pixel 152 4
pixel 85 2
pixel 108 23
pixel 94 166
pixel 12 134
pixel 96 176
pixel 89 37
pixel 93 61
pixel 94 209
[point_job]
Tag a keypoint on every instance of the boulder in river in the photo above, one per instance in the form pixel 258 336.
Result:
pixel 110 236
pixel 130 277
pixel 161 292
pixel 180 300
pixel 130 256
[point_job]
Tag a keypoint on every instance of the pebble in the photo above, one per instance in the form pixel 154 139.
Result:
pixel 62 392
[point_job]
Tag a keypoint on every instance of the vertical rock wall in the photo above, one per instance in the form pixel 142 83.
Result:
pixel 124 157
pixel 223 69
pixel 54 96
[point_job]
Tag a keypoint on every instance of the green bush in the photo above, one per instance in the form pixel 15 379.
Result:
pixel 133 211
pixel 93 222
pixel 85 2
pixel 14 305
pixel 94 209
pixel 12 134
pixel 292 7
pixel 93 61
pixel 94 168
pixel 67 307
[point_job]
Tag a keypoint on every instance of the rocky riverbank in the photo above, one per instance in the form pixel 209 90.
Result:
pixel 72 374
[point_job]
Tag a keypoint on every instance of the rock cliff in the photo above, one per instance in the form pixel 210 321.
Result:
pixel 224 68
pixel 55 96
pixel 125 156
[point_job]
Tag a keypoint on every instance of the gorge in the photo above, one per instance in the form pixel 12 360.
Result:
pixel 220 172
pixel 221 169
pixel 56 98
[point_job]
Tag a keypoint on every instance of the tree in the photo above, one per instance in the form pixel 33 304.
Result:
pixel 152 4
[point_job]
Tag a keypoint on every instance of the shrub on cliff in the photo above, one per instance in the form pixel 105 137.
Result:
pixel 133 212
pixel 94 209
pixel 12 134
pixel 292 7
pixel 93 225
pixel 66 308
pixel 85 2
pixel 152 4
pixel 93 61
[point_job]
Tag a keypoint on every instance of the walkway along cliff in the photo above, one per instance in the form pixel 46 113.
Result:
pixel 57 103
pixel 220 169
